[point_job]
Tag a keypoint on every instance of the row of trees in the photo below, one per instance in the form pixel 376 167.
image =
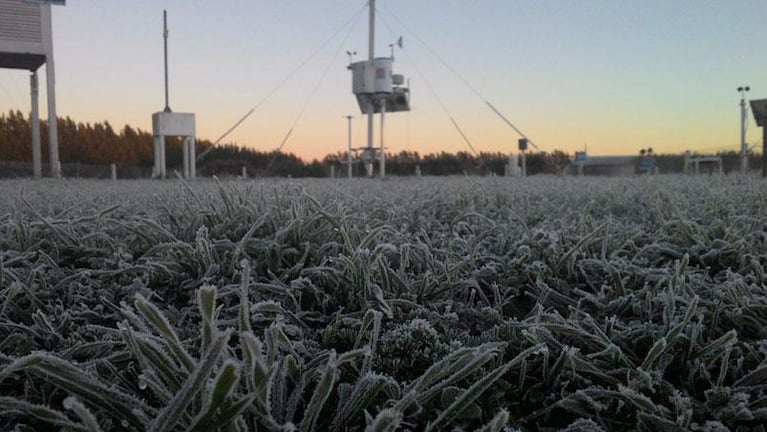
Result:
pixel 84 143
pixel 99 144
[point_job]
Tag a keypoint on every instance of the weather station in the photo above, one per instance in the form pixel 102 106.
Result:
pixel 26 42
pixel 378 90
pixel 168 123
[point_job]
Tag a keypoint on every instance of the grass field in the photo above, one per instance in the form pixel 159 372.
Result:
pixel 487 304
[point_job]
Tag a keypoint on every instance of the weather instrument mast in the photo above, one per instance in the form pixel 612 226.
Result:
pixel 743 122
pixel 168 123
pixel 377 90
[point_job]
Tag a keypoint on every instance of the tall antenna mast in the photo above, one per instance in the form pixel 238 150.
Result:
pixel 370 108
pixel 372 31
pixel 167 123
pixel 165 38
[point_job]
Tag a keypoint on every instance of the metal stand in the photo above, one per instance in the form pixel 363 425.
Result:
pixel 383 149
pixel 26 43
pixel 36 150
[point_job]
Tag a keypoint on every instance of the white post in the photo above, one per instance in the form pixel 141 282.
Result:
pixel 53 129
pixel 370 151
pixel 185 156
pixel 332 171
pixel 371 110
pixel 349 159
pixel 37 165
pixel 50 78
pixel 383 149
pixel 743 145
pixel 524 163
pixel 244 172
pixel 192 157
pixel 114 171
pixel 156 146
pixel 162 157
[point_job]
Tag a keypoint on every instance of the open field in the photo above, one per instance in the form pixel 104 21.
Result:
pixel 459 303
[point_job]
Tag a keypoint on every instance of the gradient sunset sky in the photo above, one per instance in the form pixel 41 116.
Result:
pixel 615 76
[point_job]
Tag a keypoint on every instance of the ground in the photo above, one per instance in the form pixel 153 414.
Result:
pixel 544 303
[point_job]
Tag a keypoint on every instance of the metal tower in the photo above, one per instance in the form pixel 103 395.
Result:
pixel 377 90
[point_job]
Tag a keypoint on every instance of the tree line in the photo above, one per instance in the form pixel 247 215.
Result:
pixel 99 145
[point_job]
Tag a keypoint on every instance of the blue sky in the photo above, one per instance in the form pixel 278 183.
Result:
pixel 614 76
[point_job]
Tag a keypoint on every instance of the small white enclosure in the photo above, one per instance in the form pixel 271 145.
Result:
pixel 174 124
pixel 169 123
pixel 369 77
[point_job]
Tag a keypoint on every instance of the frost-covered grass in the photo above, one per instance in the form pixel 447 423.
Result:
pixel 424 304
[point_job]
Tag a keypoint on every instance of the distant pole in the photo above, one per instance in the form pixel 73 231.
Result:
pixel 743 120
pixel 349 155
pixel 524 163
pixel 37 165
pixel 383 149
pixel 165 38
pixel 523 153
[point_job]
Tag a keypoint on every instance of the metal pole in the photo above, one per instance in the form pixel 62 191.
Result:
pixel 383 149
pixel 165 38
pixel 156 146
pixel 53 129
pixel 370 154
pixel 371 72
pixel 372 31
pixel 192 157
pixel 163 169
pixel 37 165
pixel 743 120
pixel 349 160
pixel 185 156
pixel 524 163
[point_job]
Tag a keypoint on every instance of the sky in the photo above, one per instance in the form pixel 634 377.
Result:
pixel 611 77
